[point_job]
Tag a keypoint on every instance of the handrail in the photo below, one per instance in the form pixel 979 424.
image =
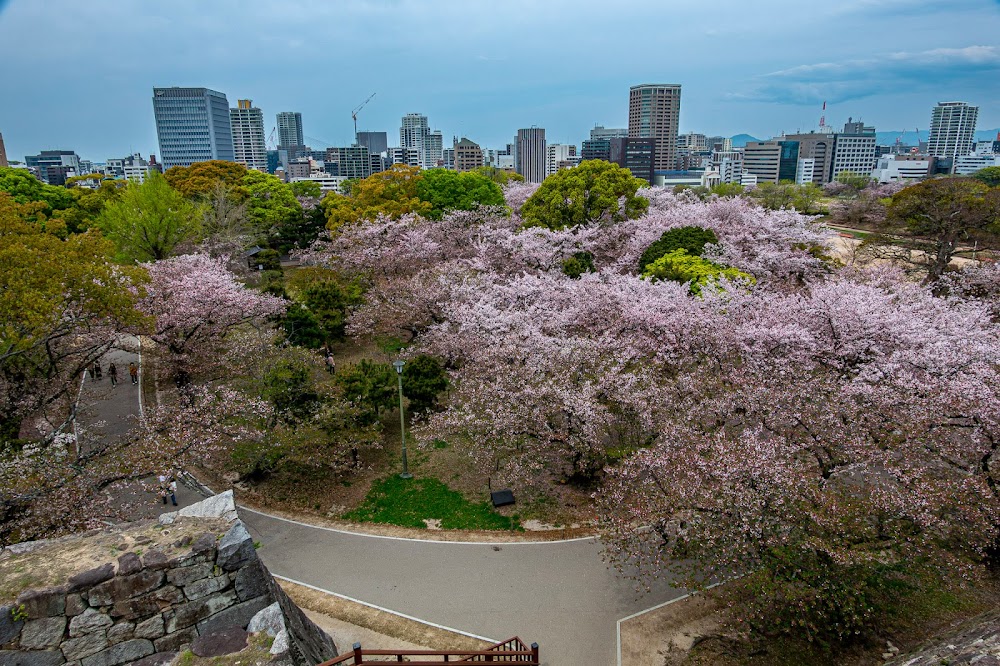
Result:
pixel 498 653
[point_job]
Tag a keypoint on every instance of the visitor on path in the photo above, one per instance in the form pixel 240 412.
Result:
pixel 331 365
pixel 162 480
pixel 113 374
pixel 172 491
pixel 133 372
pixel 97 371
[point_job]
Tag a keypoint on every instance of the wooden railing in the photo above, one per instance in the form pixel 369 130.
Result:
pixel 512 650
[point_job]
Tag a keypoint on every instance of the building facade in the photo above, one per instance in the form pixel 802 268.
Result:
pixel 556 153
pixel 192 125
pixel 892 168
pixel 953 126
pixel 854 149
pixel 468 155
pixel 636 155
pixel 596 149
pixel 403 155
pixel 290 129
pixel 412 129
pixel 966 165
pixel 601 132
pixel 654 113
pixel 376 142
pixel 3 154
pixel 349 162
pixel 772 161
pixel 247 122
pixel 529 160
pixel 54 166
pixel 433 150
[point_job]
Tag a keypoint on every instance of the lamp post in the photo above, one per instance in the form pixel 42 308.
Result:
pixel 402 422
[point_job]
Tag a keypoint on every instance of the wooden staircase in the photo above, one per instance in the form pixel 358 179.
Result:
pixel 511 651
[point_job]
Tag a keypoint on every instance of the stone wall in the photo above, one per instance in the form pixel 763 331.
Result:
pixel 202 593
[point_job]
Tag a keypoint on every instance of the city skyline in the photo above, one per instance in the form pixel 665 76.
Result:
pixel 903 58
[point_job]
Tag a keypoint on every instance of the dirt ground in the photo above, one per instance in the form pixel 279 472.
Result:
pixel 662 637
pixel 348 623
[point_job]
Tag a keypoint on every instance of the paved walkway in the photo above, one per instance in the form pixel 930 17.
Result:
pixel 560 594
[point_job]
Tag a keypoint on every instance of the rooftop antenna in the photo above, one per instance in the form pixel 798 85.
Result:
pixel 354 114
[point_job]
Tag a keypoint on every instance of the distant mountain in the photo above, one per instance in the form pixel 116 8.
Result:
pixel 911 137
pixel 741 140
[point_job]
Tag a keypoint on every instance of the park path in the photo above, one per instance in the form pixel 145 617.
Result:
pixel 560 594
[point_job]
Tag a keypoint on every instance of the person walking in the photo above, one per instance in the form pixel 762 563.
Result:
pixel 113 374
pixel 97 371
pixel 331 365
pixel 162 480
pixel 133 372
pixel 172 491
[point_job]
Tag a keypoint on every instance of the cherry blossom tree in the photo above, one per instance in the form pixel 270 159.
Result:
pixel 196 301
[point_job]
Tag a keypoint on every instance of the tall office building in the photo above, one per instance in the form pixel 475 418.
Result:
pixel 953 126
pixel 3 153
pixel 192 125
pixel 654 112
pixel 350 161
pixel 433 150
pixel 248 135
pixel 772 161
pixel 290 129
pixel 412 130
pixel 529 160
pixel 375 142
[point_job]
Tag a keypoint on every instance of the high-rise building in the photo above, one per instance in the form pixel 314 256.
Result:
pixel 403 155
pixel 953 126
pixel 654 113
pixel 601 132
pixel 636 155
pixel 596 149
pixel 433 150
pixel 290 129
pixel 412 130
pixel 556 153
pixel 54 166
pixel 468 155
pixel 192 125
pixel 853 150
pixel 3 153
pixel 819 147
pixel 375 142
pixel 529 160
pixel 350 161
pixel 247 122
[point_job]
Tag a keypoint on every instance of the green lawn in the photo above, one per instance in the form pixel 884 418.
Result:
pixel 395 501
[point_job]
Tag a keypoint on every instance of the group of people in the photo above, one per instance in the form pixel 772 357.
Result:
pixel 168 488
pixel 97 373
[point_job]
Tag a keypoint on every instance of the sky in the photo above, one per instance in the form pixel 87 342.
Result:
pixel 79 76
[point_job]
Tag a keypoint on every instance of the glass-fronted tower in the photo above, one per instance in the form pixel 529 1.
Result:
pixel 192 125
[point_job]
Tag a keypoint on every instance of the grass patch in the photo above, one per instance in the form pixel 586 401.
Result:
pixel 407 502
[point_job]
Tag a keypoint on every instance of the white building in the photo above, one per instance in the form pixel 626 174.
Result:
pixel 412 130
pixel 953 125
pixel 327 183
pixel 854 153
pixel 966 165
pixel 404 155
pixel 601 132
pixel 728 164
pixel 892 168
pixel 804 170
pixel 248 135
pixel 556 153
pixel 433 150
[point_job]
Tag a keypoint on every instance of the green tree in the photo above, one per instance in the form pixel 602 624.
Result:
pixel 306 188
pixel 392 193
pixel 682 267
pixel 727 190
pixel 855 181
pixel 271 205
pixel 592 192
pixel 288 385
pixel 499 176
pixel 300 232
pixel 940 213
pixel 327 297
pixel 25 188
pixel 424 378
pixel 89 204
pixel 446 190
pixel 302 328
pixel 578 264
pixel 201 178
pixel 148 221
pixel 369 385
pixel 988 176
pixel 690 239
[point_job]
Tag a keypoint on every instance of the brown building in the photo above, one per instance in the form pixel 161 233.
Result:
pixel 819 147
pixel 654 112
pixel 3 153
pixel 468 155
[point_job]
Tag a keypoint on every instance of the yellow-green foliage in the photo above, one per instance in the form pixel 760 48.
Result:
pixel 682 267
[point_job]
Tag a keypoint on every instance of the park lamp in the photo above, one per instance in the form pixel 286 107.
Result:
pixel 398 364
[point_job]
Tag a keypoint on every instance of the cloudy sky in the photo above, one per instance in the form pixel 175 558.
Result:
pixel 79 75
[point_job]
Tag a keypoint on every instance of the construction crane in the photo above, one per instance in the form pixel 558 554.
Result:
pixel 270 139
pixel 354 114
